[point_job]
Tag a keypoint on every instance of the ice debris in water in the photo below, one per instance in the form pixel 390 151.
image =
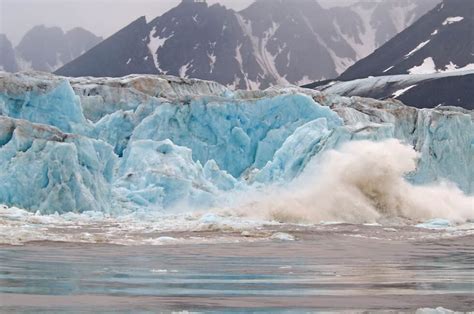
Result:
pixel 438 310
pixel 436 224
pixel 151 143
pixel 282 236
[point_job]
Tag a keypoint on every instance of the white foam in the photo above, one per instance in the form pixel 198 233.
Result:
pixel 363 182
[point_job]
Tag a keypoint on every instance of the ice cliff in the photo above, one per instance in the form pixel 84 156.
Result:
pixel 159 142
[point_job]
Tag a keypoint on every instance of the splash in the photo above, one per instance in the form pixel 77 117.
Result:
pixel 361 182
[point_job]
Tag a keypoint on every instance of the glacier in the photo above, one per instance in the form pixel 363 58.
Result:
pixel 161 143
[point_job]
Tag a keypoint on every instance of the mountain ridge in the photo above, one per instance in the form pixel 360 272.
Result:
pixel 45 48
pixel 441 40
pixel 268 43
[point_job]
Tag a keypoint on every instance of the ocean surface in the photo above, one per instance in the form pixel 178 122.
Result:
pixel 265 268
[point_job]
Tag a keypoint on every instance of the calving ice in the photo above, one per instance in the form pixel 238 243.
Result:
pixel 178 165
pixel 160 144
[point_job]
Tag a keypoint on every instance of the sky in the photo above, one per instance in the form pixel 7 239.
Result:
pixel 102 17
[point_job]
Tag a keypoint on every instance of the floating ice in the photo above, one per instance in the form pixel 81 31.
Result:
pixel 282 236
pixel 435 224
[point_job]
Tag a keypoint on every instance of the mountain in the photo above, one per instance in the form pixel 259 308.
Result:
pixel 421 91
pixel 46 48
pixel 377 21
pixel 7 55
pixel 440 41
pixel 270 42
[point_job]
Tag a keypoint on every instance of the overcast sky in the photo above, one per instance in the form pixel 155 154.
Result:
pixel 102 17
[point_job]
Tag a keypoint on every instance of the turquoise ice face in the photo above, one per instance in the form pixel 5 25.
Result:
pixel 155 143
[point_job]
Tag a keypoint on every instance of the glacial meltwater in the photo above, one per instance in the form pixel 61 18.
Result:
pixel 265 269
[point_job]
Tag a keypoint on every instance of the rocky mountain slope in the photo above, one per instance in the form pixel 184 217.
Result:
pixel 420 90
pixel 440 41
pixel 270 42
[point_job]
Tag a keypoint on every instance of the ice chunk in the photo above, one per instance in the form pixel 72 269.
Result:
pixel 161 174
pixel 435 224
pixel 43 169
pixel 282 236
pixel 57 105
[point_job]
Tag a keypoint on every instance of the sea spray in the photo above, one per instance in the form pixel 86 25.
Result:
pixel 361 182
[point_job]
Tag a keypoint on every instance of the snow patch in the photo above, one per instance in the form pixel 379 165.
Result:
pixel 399 15
pixel 264 58
pixel 184 69
pixel 451 67
pixel 341 63
pixel 155 44
pixel 427 67
pixel 304 81
pixel 452 20
pixel 212 58
pixel 421 45
pixel 367 43
pixel 400 92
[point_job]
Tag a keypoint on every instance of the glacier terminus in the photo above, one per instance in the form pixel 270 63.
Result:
pixel 166 144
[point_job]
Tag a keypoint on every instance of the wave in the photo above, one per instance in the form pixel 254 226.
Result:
pixel 361 182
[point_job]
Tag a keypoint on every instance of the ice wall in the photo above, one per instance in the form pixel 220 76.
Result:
pixel 42 168
pixel 238 134
pixel 162 143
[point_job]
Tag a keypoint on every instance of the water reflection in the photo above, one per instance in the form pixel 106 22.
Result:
pixel 343 273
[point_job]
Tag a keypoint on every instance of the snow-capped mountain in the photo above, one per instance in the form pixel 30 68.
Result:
pixel 421 91
pixel 440 41
pixel 45 48
pixel 376 21
pixel 270 42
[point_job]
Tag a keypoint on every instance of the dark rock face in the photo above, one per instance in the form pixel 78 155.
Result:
pixel 116 55
pixel 421 91
pixel 270 42
pixel 439 48
pixel 450 91
pixel 441 40
pixel 7 55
